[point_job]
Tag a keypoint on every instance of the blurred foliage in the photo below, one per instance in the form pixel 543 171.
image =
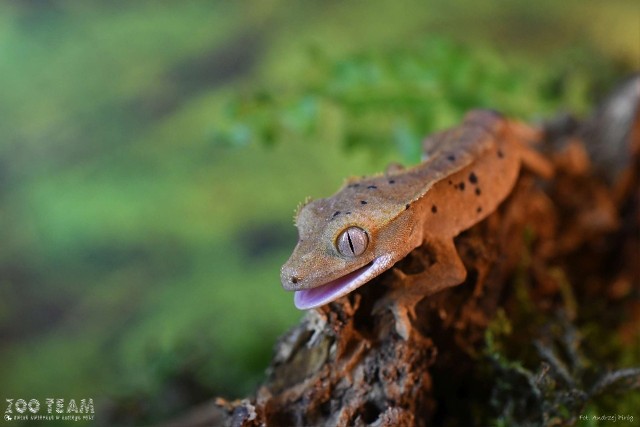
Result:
pixel 143 227
pixel 401 94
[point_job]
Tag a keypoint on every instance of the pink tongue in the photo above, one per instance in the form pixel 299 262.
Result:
pixel 315 297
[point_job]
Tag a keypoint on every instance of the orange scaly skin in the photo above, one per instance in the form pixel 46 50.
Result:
pixel 466 173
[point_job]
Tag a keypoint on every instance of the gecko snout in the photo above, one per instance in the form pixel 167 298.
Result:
pixel 291 281
pixel 291 278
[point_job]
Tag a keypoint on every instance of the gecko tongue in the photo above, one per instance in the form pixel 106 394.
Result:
pixel 324 294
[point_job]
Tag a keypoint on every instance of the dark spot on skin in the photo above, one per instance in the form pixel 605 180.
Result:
pixel 335 214
pixel 406 206
pixel 473 178
pixel 500 154
pixel 450 182
pixel 392 181
pixel 461 186
pixel 434 209
pixel 372 187
pixel 347 213
pixel 451 158
pixel 479 209
pixel 363 202
pixel 294 279
pixel 478 191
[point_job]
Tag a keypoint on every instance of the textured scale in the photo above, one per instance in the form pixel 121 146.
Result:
pixel 466 173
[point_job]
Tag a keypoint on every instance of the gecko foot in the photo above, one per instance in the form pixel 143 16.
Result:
pixel 403 313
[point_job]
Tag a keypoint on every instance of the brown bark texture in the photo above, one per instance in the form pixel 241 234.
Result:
pixel 559 258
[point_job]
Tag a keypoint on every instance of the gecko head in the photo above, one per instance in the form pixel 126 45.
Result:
pixel 341 247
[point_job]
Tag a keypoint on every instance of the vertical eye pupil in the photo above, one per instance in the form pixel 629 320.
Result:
pixel 352 242
pixel 353 251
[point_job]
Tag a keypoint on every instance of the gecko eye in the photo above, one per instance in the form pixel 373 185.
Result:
pixel 352 242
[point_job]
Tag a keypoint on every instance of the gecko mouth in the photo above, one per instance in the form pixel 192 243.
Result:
pixel 324 294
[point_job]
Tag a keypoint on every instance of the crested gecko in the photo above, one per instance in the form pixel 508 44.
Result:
pixel 371 223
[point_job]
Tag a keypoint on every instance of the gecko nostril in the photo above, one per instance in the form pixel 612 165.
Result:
pixel 294 279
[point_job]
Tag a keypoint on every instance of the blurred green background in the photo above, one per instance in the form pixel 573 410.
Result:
pixel 152 154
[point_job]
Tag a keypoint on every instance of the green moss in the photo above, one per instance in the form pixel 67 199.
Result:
pixel 544 375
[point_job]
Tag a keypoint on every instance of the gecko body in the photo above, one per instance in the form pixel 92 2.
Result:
pixel 371 223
